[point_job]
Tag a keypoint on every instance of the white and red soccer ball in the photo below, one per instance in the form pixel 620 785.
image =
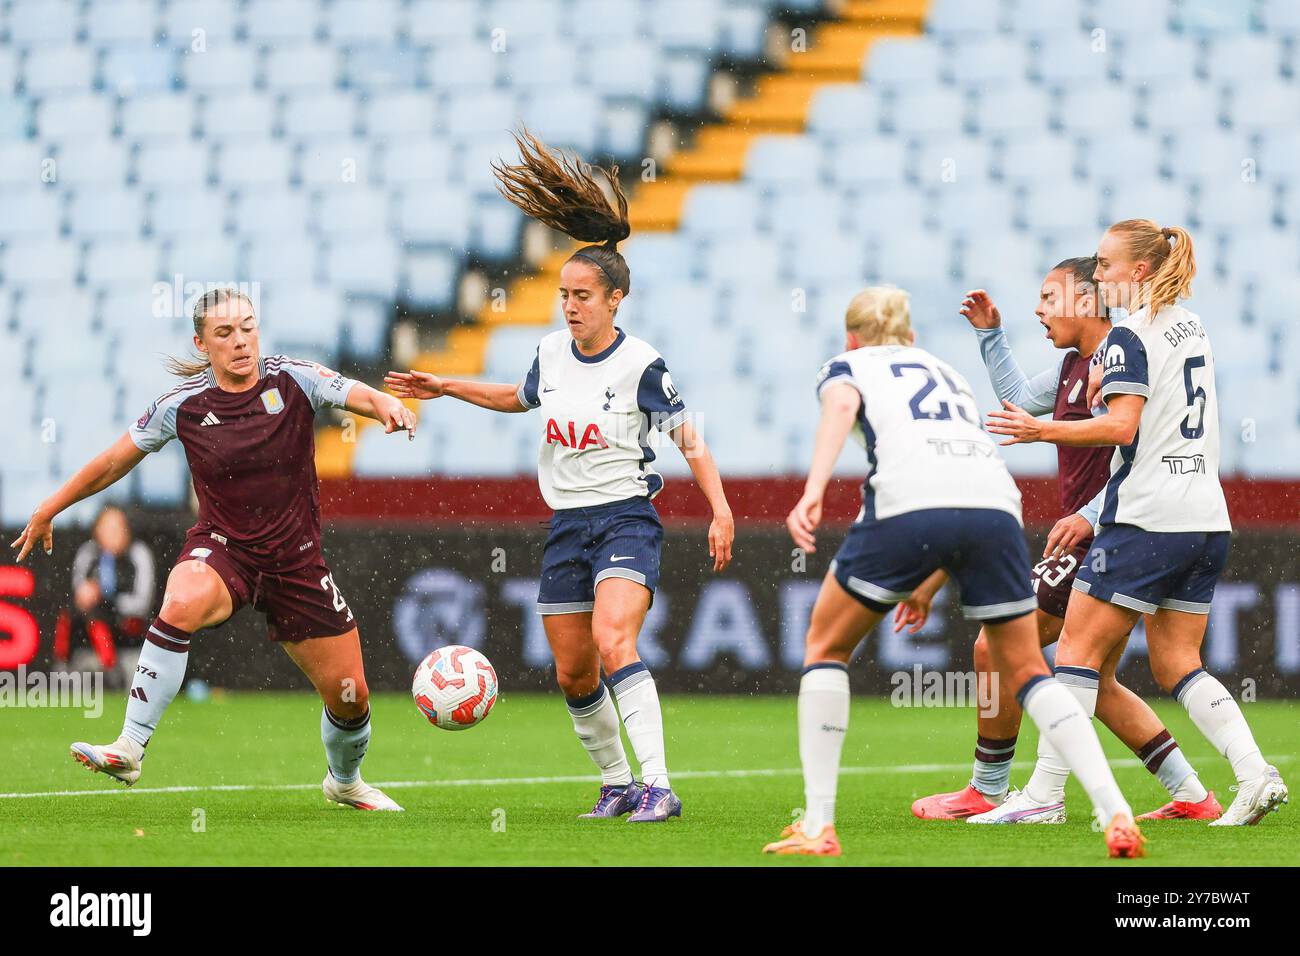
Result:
pixel 455 687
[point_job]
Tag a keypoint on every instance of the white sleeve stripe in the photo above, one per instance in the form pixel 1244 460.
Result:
pixel 847 379
pixel 1125 388
pixel 678 418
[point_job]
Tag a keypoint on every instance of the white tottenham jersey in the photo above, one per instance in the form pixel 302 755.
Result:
pixel 1168 479
pixel 596 414
pixel 919 423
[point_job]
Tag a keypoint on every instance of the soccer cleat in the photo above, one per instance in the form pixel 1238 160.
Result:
pixel 1207 809
pixel 1124 839
pixel 657 805
pixel 120 760
pixel 953 806
pixel 614 801
pixel 1018 807
pixel 1255 800
pixel 794 842
pixel 357 794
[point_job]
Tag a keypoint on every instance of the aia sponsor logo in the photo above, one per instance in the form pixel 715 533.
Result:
pixel 591 436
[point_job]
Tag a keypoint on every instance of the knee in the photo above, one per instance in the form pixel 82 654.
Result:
pixel 983 663
pixel 1168 673
pixel 576 682
pixel 615 642
pixel 192 600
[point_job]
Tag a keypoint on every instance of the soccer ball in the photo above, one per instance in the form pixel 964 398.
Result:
pixel 455 687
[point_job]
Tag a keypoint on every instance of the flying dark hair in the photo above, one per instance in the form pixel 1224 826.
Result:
pixel 562 192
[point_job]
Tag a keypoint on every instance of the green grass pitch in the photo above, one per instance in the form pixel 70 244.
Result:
pixel 508 792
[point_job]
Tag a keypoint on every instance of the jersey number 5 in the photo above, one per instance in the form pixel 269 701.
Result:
pixel 1195 400
pixel 955 391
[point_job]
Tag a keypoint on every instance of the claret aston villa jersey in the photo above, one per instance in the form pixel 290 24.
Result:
pixel 252 455
pixel 596 412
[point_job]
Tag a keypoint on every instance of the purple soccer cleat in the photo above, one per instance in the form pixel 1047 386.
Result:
pixel 614 801
pixel 657 805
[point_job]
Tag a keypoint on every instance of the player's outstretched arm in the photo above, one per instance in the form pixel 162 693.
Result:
pixel 840 404
pixel 722 529
pixel 1035 395
pixel 101 471
pixel 385 409
pixel 1117 427
pixel 497 397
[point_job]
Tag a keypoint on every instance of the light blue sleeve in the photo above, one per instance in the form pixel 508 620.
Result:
pixel 1091 512
pixel 1035 395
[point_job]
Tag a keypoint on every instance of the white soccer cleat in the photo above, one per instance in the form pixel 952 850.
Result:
pixel 120 760
pixel 358 794
pixel 1018 807
pixel 1255 800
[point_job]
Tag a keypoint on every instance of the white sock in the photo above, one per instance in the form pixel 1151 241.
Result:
pixel 823 722
pixel 1217 715
pixel 595 721
pixel 638 703
pixel 158 677
pixel 992 772
pixel 1047 783
pixel 1162 756
pixel 1063 721
pixel 345 743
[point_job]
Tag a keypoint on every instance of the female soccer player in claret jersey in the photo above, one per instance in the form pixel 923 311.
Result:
pixel 937 495
pixel 246 424
pixel 599 391
pixel 1076 321
pixel 1163 528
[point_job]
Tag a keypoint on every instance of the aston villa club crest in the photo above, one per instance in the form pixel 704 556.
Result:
pixel 273 401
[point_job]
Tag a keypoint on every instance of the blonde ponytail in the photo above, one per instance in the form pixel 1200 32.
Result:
pixel 1172 268
pixel 880 315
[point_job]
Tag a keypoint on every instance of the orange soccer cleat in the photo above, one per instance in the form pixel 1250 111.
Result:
pixel 793 842
pixel 1207 809
pixel 1124 839
pixel 952 806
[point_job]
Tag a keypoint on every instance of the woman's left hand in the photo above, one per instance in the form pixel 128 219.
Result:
pixel 722 531
pixel 1015 422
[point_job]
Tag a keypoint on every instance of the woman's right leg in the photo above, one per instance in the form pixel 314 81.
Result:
pixel 577 671
pixel 196 597
pixel 839 621
pixel 1060 718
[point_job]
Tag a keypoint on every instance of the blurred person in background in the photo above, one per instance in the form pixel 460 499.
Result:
pixel 113 584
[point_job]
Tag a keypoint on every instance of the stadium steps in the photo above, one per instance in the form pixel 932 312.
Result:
pixel 778 104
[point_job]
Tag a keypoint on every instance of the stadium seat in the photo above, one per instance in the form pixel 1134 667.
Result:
pixel 157 116
pixel 1012 110
pixel 844 108
pixel 311 66
pixel 902 63
pixel 105 213
pixel 224 68
pixel 1039 159
pixel 131 70
pixel 866 160
pixel 1065 61
pixel 274 23
pixel 211 20
pixel 58 69
pixel 318 115
pixel 987 63
pixel 91 163
pixel 964 17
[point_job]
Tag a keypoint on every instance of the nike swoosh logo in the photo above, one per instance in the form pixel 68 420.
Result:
pixel 545 390
pixel 625 558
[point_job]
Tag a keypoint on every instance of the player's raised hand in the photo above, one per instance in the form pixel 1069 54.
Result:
pixel 1066 535
pixel 39 528
pixel 413 384
pixel 722 531
pixel 980 310
pixel 1015 422
pixel 803 521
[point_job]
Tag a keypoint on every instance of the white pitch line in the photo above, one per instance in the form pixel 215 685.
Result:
pixel 118 790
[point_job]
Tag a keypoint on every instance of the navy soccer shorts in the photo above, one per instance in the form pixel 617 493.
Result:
pixel 621 539
pixel 1148 570
pixel 883 560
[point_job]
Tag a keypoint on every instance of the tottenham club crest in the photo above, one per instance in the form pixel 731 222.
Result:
pixel 273 401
